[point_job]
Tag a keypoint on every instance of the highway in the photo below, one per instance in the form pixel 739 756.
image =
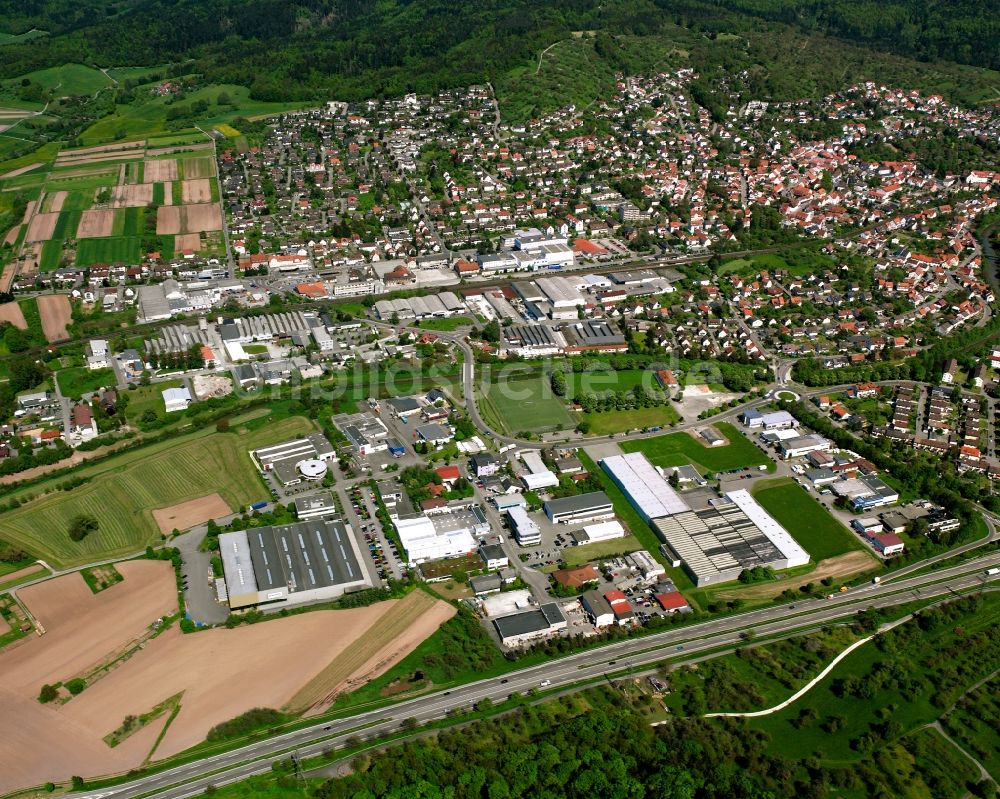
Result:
pixel 572 671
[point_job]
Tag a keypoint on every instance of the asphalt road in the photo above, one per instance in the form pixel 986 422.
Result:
pixel 568 672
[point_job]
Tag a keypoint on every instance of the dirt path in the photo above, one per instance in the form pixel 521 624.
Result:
pixel 841 566
pixel 15 172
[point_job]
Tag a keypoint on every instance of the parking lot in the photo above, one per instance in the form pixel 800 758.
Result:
pixel 383 552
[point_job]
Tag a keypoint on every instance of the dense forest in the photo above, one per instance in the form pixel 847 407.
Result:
pixel 308 49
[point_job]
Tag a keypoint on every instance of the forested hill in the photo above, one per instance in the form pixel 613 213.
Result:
pixel 309 49
pixel 966 31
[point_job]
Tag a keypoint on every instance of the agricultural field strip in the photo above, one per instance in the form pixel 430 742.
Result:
pixel 385 630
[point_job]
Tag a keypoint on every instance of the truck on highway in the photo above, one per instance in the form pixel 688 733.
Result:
pixel 259 505
pixel 993 570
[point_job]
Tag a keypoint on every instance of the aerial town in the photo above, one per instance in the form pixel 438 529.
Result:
pixel 593 379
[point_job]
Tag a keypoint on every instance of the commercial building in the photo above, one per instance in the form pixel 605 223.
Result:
pixel 644 486
pixel 716 544
pixel 539 475
pixel 602 531
pixel 366 432
pixel 533 341
pixel 486 584
pixel 521 628
pixel 283 460
pixel 580 508
pixel 597 608
pixel 775 420
pixel 508 602
pixel 526 532
pixel 865 492
pixel 423 540
pixel 802 445
pixel 291 564
pixel 317 506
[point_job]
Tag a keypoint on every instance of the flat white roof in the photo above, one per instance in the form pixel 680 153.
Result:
pixel 522 521
pixel 645 487
pixel 533 460
pixel 775 533
pixel 538 480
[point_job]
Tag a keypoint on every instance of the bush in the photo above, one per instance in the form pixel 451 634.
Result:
pixel 48 693
pixel 76 685
pixel 81 526
pixel 248 722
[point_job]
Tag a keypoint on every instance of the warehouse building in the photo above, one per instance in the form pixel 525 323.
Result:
pixel 520 628
pixel 644 486
pixel 291 564
pixel 423 540
pixel 602 531
pixel 591 507
pixel 716 544
pixel 533 341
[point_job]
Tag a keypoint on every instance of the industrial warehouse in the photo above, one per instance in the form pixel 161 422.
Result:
pixel 291 564
pixel 715 544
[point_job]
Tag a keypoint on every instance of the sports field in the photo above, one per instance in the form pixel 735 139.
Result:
pixel 607 422
pixel 810 523
pixel 122 492
pixel 524 403
pixel 678 449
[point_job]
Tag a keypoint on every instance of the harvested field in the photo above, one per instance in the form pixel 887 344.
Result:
pixel 220 674
pixel 386 643
pixel 186 515
pixel 168 220
pixel 56 200
pixel 24 169
pixel 12 235
pixel 838 567
pixel 121 147
pixel 78 637
pixel 55 312
pixel 198 168
pixel 196 191
pixel 181 148
pixel 42 227
pixel 96 224
pixel 9 273
pixel 187 241
pixel 135 195
pixel 159 170
pixel 11 312
pixel 200 218
pixel 34 568
pixel 168 193
pixel 99 158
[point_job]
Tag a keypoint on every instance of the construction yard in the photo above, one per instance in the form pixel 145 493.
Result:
pixel 179 685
